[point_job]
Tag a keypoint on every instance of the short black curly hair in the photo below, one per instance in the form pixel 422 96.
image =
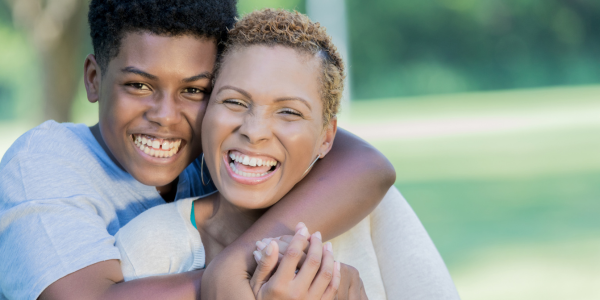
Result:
pixel 109 20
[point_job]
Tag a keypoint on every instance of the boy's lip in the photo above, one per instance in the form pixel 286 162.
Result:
pixel 152 153
pixel 227 160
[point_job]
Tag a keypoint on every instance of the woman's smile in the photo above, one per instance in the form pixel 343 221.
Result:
pixel 247 168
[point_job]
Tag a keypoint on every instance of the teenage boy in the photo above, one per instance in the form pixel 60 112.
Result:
pixel 66 189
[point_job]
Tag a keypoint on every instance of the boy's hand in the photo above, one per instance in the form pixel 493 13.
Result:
pixel 318 277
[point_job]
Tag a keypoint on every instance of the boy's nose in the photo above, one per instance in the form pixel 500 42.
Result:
pixel 165 111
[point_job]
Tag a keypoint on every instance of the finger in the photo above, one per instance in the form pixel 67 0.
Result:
pixel 283 243
pixel 287 266
pixel 363 292
pixel 286 238
pixel 300 225
pixel 356 286
pixel 334 285
pixel 325 274
pixel 282 248
pixel 312 264
pixel 267 261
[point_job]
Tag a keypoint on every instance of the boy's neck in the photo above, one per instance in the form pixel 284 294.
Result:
pixel 98 136
pixel 169 191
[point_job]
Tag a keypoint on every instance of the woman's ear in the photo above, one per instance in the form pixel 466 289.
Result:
pixel 91 78
pixel 330 132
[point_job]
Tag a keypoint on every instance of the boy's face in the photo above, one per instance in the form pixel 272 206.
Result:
pixel 152 98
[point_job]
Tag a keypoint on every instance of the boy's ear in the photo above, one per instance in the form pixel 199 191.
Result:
pixel 330 132
pixel 91 78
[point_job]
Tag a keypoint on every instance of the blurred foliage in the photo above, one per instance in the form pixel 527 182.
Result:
pixel 246 6
pixel 401 48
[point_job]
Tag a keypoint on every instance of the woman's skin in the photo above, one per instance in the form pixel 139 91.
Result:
pixel 266 105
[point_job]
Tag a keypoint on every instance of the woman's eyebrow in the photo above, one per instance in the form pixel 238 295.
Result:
pixel 241 91
pixel 295 99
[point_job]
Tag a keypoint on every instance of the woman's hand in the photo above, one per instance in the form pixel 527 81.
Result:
pixel 318 277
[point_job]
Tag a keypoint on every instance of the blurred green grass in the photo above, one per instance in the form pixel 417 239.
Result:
pixel 513 209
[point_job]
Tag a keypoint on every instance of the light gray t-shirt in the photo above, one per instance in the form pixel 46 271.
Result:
pixel 161 241
pixel 62 200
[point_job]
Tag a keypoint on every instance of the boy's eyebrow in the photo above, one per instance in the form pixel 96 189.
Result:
pixel 205 75
pixel 228 87
pixel 295 99
pixel 137 71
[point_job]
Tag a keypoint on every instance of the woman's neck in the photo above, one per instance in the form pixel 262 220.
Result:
pixel 222 221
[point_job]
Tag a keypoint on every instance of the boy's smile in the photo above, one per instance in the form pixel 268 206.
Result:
pixel 152 99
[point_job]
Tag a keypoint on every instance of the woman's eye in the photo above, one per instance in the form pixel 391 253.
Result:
pixel 289 111
pixel 235 102
pixel 139 86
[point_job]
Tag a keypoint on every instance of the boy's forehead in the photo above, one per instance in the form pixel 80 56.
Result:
pixel 181 52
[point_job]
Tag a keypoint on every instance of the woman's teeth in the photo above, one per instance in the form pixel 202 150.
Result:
pixel 162 148
pixel 246 174
pixel 251 161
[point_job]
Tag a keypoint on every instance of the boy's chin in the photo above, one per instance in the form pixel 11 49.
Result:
pixel 155 178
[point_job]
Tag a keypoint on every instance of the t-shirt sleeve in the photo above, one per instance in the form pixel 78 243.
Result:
pixel 160 241
pixel 49 224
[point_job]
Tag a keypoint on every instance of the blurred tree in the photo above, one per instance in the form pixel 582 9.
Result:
pixel 246 6
pixel 56 29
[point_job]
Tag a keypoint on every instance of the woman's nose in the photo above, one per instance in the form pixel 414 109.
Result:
pixel 256 128
pixel 165 111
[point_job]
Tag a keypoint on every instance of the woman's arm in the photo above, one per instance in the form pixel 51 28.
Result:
pixel 341 190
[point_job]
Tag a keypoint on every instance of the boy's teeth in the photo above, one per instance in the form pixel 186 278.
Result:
pixel 157 147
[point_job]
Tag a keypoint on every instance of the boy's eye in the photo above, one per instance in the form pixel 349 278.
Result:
pixel 193 91
pixel 139 86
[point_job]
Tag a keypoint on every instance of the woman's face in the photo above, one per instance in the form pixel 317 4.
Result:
pixel 264 124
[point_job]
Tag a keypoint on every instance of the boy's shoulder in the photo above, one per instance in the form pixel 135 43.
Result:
pixel 51 139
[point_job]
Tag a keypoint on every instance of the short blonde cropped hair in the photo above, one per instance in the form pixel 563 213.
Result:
pixel 272 27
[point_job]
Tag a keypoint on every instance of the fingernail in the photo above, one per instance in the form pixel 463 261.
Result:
pixel 269 249
pixel 303 231
pixel 318 235
pixel 300 225
pixel 329 247
pixel 337 265
pixel 257 256
pixel 266 241
pixel 260 245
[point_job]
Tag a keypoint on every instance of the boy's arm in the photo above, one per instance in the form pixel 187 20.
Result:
pixel 104 281
pixel 341 190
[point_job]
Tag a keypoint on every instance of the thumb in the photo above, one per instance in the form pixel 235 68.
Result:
pixel 267 262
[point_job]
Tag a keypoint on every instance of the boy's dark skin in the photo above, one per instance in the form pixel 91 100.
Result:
pixel 350 181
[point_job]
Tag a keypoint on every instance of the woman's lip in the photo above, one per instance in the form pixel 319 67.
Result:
pixel 246 180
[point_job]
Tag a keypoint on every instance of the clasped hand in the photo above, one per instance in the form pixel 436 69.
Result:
pixel 302 267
